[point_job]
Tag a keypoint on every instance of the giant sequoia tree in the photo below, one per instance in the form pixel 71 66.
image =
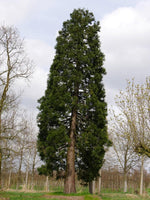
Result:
pixel 72 117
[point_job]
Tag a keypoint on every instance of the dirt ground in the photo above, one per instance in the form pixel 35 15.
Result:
pixel 64 197
pixel 132 196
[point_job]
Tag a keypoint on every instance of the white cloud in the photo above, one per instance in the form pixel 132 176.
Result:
pixel 42 55
pixel 14 12
pixel 126 27
pixel 35 89
pixel 143 8
pixel 126 45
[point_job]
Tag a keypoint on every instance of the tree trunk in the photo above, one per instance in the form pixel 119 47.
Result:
pixel 92 187
pixel 9 180
pixel 32 181
pixel 99 181
pixel 141 178
pixel 19 170
pixel 0 167
pixel 47 184
pixel 0 152
pixel 27 174
pixel 125 181
pixel 33 168
pixel 69 184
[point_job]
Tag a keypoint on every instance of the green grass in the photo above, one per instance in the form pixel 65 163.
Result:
pixel 87 196
pixel 36 196
pixel 22 196
pixel 91 197
pixel 72 194
pixel 121 196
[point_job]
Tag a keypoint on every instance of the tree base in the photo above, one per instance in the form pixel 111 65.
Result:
pixel 69 187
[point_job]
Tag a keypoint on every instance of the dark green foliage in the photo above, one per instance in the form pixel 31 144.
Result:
pixel 75 83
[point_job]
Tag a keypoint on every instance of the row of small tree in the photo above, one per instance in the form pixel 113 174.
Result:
pixel 112 179
pixel 20 156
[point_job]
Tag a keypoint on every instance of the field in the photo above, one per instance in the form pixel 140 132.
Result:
pixel 60 196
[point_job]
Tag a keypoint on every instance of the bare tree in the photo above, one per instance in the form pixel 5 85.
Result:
pixel 134 105
pixel 134 109
pixel 22 144
pixel 14 64
pixel 119 133
pixel 31 158
pixel 35 160
pixel 25 143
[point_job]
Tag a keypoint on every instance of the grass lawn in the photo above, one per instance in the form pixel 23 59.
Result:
pixel 21 196
pixel 61 196
pixel 119 196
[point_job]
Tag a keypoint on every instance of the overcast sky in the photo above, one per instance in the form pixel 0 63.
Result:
pixel 125 39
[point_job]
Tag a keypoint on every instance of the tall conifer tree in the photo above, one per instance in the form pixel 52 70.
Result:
pixel 72 113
